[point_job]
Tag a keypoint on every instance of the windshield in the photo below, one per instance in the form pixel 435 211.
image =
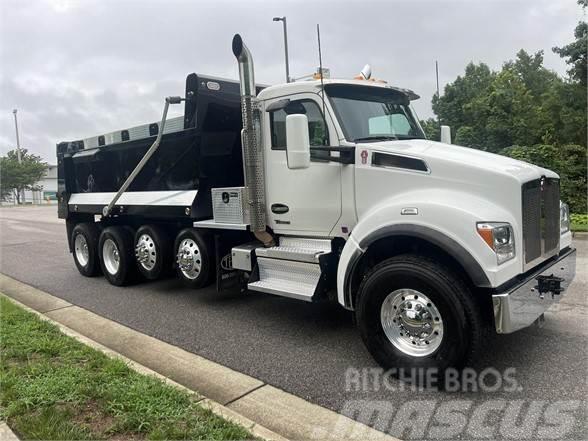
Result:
pixel 373 113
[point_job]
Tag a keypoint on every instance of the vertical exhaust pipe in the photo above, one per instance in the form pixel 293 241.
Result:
pixel 251 140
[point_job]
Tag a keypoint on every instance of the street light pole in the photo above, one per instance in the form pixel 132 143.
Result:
pixel 18 155
pixel 17 137
pixel 283 20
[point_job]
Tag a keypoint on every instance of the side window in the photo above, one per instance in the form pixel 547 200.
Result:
pixel 316 124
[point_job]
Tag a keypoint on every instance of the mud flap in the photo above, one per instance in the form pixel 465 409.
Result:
pixel 226 277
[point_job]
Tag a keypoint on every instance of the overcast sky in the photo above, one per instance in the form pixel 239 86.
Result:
pixel 78 68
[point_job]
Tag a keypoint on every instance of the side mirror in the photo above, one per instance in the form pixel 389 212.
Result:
pixel 297 141
pixel 446 134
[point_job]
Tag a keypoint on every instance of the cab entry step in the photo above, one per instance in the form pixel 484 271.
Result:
pixel 287 278
pixel 291 269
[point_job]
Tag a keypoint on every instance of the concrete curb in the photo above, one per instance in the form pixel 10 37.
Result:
pixel 6 433
pixel 266 411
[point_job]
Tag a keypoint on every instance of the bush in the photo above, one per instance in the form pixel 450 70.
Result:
pixel 579 222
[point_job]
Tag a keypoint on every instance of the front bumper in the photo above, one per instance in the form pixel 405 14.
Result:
pixel 521 305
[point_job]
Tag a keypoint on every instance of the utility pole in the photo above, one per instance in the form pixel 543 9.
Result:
pixel 437 76
pixel 438 95
pixel 18 155
pixel 283 20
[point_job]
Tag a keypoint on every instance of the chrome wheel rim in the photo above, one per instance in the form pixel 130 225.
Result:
pixel 81 249
pixel 412 322
pixel 145 252
pixel 111 256
pixel 189 259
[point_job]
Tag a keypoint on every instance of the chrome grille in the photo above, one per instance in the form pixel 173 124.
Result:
pixel 540 218
pixel 551 230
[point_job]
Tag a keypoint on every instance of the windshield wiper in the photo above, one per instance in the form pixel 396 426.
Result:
pixel 377 138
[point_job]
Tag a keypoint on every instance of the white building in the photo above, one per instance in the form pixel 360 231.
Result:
pixel 48 191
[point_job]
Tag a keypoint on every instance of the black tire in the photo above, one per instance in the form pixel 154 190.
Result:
pixel 89 232
pixel 159 254
pixel 202 256
pixel 463 328
pixel 122 238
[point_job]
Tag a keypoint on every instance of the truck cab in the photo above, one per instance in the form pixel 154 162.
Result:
pixel 328 190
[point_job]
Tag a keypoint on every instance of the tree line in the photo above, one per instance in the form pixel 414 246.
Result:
pixel 524 111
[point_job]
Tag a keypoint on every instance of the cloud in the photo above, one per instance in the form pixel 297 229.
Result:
pixel 79 68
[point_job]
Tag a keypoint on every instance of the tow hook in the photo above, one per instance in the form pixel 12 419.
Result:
pixel 549 284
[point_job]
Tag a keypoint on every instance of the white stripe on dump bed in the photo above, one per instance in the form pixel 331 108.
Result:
pixel 158 198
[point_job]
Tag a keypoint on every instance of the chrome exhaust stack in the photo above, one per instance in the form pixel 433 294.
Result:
pixel 251 140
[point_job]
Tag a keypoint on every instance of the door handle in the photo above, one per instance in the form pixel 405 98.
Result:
pixel 280 208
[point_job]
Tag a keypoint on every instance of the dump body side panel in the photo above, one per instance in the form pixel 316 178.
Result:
pixel 204 155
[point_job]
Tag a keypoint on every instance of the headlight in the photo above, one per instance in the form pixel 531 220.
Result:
pixel 564 218
pixel 499 236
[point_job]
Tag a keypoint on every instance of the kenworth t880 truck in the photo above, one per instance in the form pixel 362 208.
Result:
pixel 324 190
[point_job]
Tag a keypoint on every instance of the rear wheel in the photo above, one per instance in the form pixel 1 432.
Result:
pixel 153 251
pixel 117 258
pixel 414 313
pixel 84 239
pixel 194 258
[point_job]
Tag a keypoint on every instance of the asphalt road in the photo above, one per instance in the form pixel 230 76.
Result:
pixel 310 350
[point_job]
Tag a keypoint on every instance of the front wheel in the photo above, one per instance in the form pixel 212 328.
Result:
pixel 414 313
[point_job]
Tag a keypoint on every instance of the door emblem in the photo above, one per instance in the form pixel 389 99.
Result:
pixel 364 155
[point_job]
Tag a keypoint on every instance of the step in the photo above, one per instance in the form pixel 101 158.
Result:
pixel 298 249
pixel 287 278
pixel 306 243
pixel 290 253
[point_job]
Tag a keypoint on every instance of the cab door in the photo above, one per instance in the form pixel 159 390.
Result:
pixel 305 201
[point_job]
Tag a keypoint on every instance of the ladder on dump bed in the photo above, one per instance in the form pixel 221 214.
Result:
pixel 293 268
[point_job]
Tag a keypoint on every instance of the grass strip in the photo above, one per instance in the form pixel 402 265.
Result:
pixel 54 387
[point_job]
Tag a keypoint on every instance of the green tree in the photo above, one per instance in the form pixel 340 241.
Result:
pixel 431 128
pixel 529 68
pixel 15 176
pixel 454 107
pixel 575 52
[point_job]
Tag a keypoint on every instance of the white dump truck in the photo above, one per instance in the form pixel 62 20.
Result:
pixel 324 190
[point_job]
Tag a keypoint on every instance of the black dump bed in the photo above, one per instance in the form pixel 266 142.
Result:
pixel 204 155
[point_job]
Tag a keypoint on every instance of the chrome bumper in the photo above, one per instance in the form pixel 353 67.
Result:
pixel 521 305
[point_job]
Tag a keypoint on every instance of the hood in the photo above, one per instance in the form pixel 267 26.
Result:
pixel 451 158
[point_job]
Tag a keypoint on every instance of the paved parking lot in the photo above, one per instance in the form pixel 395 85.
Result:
pixel 311 350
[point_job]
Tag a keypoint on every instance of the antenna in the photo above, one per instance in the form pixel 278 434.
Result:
pixel 318 34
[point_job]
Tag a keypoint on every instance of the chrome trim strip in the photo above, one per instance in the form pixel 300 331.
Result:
pixel 157 198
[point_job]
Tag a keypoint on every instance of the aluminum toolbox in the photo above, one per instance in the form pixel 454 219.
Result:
pixel 229 205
